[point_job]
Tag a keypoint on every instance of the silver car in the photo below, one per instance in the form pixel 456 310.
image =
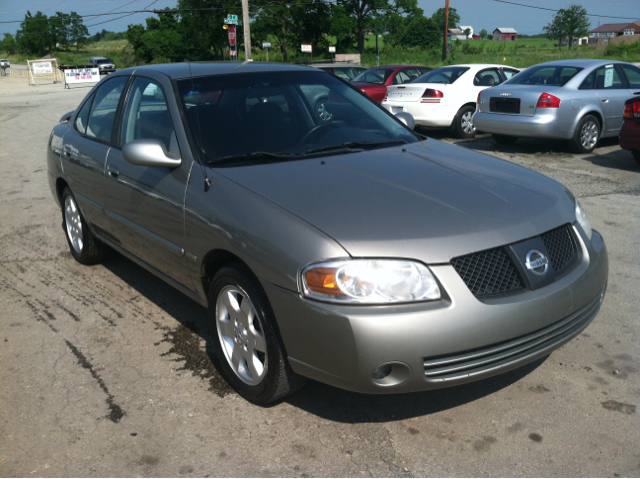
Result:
pixel 577 100
pixel 344 249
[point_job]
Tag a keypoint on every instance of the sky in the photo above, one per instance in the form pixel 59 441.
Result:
pixel 487 14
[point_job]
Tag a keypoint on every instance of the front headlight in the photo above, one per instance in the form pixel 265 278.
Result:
pixel 581 216
pixel 370 281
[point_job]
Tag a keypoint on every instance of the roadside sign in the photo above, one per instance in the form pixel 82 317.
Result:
pixel 232 35
pixel 232 20
pixel 332 49
pixel 306 47
pixel 40 68
pixel 81 75
pixel 266 44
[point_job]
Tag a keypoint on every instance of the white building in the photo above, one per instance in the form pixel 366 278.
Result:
pixel 464 28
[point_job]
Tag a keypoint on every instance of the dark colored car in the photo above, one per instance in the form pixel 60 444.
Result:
pixel 344 249
pixel 374 81
pixel 630 130
pixel 104 65
pixel 345 70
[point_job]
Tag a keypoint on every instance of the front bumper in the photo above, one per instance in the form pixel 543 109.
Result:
pixel 545 125
pixel 430 345
pixel 107 70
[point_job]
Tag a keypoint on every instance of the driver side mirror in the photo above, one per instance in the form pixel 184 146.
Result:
pixel 149 152
pixel 407 119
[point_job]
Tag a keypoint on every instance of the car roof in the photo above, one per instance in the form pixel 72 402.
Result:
pixel 178 71
pixel 583 63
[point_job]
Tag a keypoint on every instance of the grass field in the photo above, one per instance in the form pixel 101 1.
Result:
pixel 522 53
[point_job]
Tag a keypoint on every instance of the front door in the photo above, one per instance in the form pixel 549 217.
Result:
pixel 146 204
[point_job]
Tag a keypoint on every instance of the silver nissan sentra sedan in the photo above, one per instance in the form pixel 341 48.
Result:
pixel 343 247
pixel 577 100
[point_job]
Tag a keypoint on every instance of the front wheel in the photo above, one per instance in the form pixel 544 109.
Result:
pixel 463 123
pixel 248 343
pixel 83 246
pixel 586 135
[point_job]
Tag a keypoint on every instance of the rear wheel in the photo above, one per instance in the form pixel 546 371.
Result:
pixel 505 139
pixel 83 246
pixel 463 123
pixel 248 343
pixel 587 134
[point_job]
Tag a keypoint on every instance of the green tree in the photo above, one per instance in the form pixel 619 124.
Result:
pixel 203 32
pixel 9 44
pixel 78 31
pixel 575 21
pixel 438 17
pixel 483 33
pixel 421 32
pixel 161 40
pixel 555 30
pixel 59 30
pixel 34 36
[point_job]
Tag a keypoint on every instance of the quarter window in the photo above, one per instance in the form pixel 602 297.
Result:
pixel 83 116
pixel 147 116
pixel 103 110
pixel 633 75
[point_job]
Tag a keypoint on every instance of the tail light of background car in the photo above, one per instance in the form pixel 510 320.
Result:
pixel 386 95
pixel 431 96
pixel 632 109
pixel 478 100
pixel 547 100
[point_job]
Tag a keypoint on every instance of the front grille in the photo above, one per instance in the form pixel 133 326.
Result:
pixel 499 356
pixel 488 273
pixel 562 247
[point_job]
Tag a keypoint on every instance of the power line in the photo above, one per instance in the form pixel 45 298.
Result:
pixel 67 6
pixel 553 10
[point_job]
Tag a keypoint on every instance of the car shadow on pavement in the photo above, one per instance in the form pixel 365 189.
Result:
pixel 316 398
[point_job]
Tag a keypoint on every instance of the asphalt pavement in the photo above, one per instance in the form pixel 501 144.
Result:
pixel 105 370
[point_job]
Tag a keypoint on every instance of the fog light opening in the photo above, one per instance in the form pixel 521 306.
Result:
pixel 382 372
pixel 391 374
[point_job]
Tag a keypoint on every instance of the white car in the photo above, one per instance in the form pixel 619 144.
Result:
pixel 446 96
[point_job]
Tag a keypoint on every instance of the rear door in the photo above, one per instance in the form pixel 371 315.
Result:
pixel 612 90
pixel 146 203
pixel 85 148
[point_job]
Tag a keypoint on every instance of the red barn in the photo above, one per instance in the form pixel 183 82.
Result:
pixel 505 34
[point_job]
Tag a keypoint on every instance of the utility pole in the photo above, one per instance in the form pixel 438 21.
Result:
pixel 247 30
pixel 446 31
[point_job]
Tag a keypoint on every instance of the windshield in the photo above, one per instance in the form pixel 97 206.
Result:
pixel 377 76
pixel 283 113
pixel 446 75
pixel 104 60
pixel 555 75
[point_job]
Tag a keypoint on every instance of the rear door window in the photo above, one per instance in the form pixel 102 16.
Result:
pixel 103 110
pixel 487 77
pixel 405 76
pixel 609 77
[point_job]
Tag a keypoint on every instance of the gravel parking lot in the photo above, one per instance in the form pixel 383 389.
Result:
pixel 104 370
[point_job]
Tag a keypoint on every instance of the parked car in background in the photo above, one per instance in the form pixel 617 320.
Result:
pixel 446 96
pixel 576 100
pixel 630 131
pixel 374 82
pixel 103 64
pixel 349 250
pixel 4 63
pixel 345 70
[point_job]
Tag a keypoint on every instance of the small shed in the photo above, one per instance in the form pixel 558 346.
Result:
pixel 505 34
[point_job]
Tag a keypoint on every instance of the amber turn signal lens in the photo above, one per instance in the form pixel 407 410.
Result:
pixel 323 280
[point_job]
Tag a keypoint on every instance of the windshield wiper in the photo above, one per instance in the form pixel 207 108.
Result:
pixel 263 155
pixel 361 145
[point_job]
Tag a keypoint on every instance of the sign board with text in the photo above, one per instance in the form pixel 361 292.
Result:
pixel 332 49
pixel 40 68
pixel 266 44
pixel 306 47
pixel 82 75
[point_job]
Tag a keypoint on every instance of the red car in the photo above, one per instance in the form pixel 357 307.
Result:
pixel 630 131
pixel 374 81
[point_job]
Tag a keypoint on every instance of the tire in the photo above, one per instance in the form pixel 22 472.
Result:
pixel 587 135
pixel 505 139
pixel 249 348
pixel 321 111
pixel 463 125
pixel 636 155
pixel 84 247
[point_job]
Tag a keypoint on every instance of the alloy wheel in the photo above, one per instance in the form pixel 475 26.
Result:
pixel 241 334
pixel 73 223
pixel 589 135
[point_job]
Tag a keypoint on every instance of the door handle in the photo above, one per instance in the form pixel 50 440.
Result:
pixel 605 100
pixel 113 172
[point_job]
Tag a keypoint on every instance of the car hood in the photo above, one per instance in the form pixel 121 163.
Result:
pixel 429 201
